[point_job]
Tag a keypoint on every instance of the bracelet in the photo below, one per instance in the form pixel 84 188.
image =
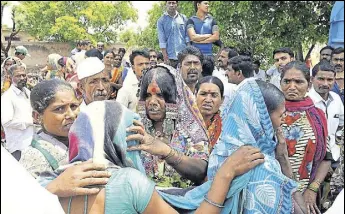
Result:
pixel 213 203
pixel 178 160
pixel 171 153
pixel 313 188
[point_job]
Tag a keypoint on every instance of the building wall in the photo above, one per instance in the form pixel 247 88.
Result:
pixel 39 52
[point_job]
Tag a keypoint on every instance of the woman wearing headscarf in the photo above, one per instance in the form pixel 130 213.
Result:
pixel 209 97
pixel 5 77
pixel 99 133
pixel 55 71
pixel 173 133
pixel 306 134
pixel 253 118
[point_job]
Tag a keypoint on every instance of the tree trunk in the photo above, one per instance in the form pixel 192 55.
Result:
pixel 309 52
pixel 300 52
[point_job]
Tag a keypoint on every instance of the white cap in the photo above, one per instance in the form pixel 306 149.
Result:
pixel 89 67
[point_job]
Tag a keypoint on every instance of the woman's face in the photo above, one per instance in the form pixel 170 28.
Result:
pixel 277 116
pixel 8 64
pixel 209 99
pixel 294 85
pixel 109 59
pixel 59 116
pixel 155 103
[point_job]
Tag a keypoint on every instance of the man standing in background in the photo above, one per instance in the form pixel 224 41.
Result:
pixel 172 33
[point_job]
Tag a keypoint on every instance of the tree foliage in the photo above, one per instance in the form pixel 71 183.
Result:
pixel 74 20
pixel 14 32
pixel 258 26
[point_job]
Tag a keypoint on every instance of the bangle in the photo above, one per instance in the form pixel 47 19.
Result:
pixel 171 153
pixel 178 160
pixel 313 187
pixel 213 203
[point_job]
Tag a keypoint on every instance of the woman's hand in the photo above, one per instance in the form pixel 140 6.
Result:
pixel 75 179
pixel 241 161
pixel 310 200
pixel 281 149
pixel 147 142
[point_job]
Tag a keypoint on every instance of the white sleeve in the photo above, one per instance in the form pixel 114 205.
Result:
pixel 122 97
pixel 7 115
pixel 22 192
pixel 341 116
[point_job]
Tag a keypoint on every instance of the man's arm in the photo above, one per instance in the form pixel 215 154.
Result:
pixel 7 116
pixel 122 97
pixel 193 36
pixel 215 34
pixel 162 40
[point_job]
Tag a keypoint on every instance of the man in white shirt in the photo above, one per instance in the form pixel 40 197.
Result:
pixel 282 56
pixel 225 55
pixel 323 80
pixel 16 112
pixel 258 73
pixel 128 94
pixel 94 81
pixel 21 192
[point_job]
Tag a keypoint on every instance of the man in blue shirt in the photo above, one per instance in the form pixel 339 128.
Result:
pixel 338 62
pixel 202 29
pixel 172 33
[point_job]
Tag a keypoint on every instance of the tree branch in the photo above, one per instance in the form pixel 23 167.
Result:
pixel 309 52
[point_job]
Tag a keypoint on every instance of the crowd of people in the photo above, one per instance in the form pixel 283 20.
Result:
pixel 179 130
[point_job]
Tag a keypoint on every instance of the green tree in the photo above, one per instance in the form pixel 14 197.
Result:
pixel 73 20
pixel 259 26
pixel 14 32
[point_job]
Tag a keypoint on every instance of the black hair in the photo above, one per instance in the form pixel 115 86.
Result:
pixel 13 68
pixel 232 52
pixel 207 66
pixel 323 65
pixel 136 53
pixel 257 62
pixel 43 94
pixel 327 48
pixel 213 80
pixel 160 56
pixel 83 43
pixel 242 64
pixel 190 50
pixel 298 65
pixel 109 51
pixel 273 97
pixel 165 81
pixel 284 50
pixel 152 50
pixel 123 50
pixel 338 51
pixel 94 53
pixel 196 5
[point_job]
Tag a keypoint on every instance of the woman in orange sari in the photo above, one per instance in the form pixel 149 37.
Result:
pixel 115 72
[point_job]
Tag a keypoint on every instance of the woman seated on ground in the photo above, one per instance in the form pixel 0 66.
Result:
pixel 209 97
pixel 115 73
pixel 306 134
pixel 264 189
pixel 173 134
pixel 55 108
pixel 98 133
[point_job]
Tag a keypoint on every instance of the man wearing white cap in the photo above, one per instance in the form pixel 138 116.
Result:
pixel 94 82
